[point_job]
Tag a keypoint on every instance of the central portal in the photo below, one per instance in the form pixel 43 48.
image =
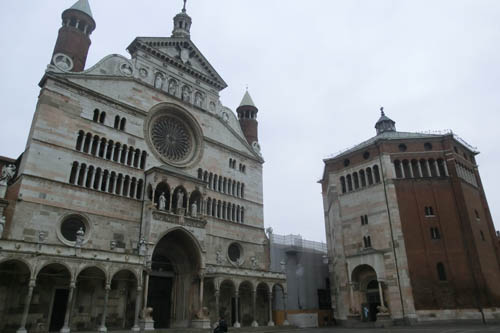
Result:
pixel 173 290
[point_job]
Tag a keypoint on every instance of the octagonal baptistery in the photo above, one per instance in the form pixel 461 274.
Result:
pixel 138 189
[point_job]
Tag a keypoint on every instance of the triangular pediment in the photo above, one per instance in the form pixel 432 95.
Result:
pixel 180 53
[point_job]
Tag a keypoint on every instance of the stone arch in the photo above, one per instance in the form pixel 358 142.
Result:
pixel 245 292
pixel 52 262
pixel 99 267
pixel 22 261
pixel 175 197
pixel 227 290
pixel 262 299
pixel 177 261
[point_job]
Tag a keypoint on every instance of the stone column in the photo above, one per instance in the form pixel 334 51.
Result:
pixel 285 300
pixel 254 308
pixel 428 168
pixel 420 169
pixel 202 283
pixel 86 176
pixel 100 181
pixel 351 295
pixel 146 287
pixel 93 178
pixel 381 294
pixel 271 322
pixel 66 328
pixel 446 173
pixel 112 152
pixel 138 298
pixel 98 148
pixel 410 167
pixel 401 169
pixel 171 203
pixel 437 169
pixel 103 328
pixel 236 299
pixel 217 296
pixel 27 303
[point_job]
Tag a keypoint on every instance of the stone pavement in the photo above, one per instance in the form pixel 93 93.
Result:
pixel 448 328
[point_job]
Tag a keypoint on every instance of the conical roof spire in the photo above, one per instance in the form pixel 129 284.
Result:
pixel 83 6
pixel 247 100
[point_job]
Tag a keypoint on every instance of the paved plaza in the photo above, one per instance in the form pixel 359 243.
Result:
pixel 412 329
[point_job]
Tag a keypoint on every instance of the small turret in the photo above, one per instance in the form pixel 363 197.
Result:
pixel 182 24
pixel 73 42
pixel 247 114
pixel 385 124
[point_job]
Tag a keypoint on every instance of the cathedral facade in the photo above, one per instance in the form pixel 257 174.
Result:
pixel 409 231
pixel 138 200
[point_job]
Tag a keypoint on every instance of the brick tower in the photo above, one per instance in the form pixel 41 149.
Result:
pixel 247 114
pixel 73 41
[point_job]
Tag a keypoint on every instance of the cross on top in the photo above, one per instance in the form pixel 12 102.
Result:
pixel 184 8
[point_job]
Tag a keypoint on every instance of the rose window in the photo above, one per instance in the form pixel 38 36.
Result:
pixel 171 138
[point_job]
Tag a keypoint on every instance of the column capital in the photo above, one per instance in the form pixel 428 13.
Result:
pixel 32 283
pixel 108 287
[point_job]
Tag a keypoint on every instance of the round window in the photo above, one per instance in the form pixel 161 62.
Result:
pixel 402 147
pixel 70 227
pixel 427 146
pixel 234 252
pixel 366 155
pixel 347 162
pixel 174 135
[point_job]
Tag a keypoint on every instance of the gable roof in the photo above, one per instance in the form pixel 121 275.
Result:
pixel 157 47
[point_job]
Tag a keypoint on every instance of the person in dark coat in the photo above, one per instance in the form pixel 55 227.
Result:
pixel 221 327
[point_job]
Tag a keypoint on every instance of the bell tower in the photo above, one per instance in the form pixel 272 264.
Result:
pixel 247 114
pixel 73 42
pixel 182 24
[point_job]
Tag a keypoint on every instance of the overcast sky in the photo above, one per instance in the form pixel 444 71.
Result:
pixel 317 70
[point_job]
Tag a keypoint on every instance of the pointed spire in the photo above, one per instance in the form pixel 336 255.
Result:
pixel 83 6
pixel 247 100
pixel 184 8
pixel 385 124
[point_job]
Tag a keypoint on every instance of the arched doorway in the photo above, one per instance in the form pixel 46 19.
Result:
pixel 368 291
pixel 176 263
pixel 14 280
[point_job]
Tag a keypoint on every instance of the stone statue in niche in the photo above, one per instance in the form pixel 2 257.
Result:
pixel 198 99
pixel 194 210
pixel 162 201
pixel 159 81
pixel 80 235
pixel 186 94
pixel 172 87
pixel 180 199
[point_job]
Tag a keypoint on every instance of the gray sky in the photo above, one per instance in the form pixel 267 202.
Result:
pixel 317 70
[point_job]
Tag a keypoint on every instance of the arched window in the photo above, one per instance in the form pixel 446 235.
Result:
pixel 209 206
pixel 104 182
pixel 406 169
pixel 349 183
pixel 356 180
pixel 79 140
pixel 102 148
pixel 238 189
pixel 441 167
pixel 86 145
pixel 242 217
pixel 200 173
pixel 243 190
pixel 117 122
pixel 119 182
pixel 369 176
pixel 140 184
pixel 362 178
pixel 123 123
pixel 97 179
pixel 214 208
pixel 229 186
pixel 137 156
pixel 214 186
pixel 210 178
pixel 220 184
pixel 230 162
pixel 109 151
pixel 81 175
pixel 205 176
pixel 219 207
pixel 102 117
pixel 116 152
pixel 224 210
pixel 123 156
pixel 112 181
pixel 224 185
pixel 96 115
pixel 133 186
pixel 376 174
pixel 233 213
pixel 143 160
pixel 126 186
pixel 397 167
pixel 95 144
pixel 130 155
pixel 90 175
pixel 441 271
pixel 342 184
pixel 74 171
